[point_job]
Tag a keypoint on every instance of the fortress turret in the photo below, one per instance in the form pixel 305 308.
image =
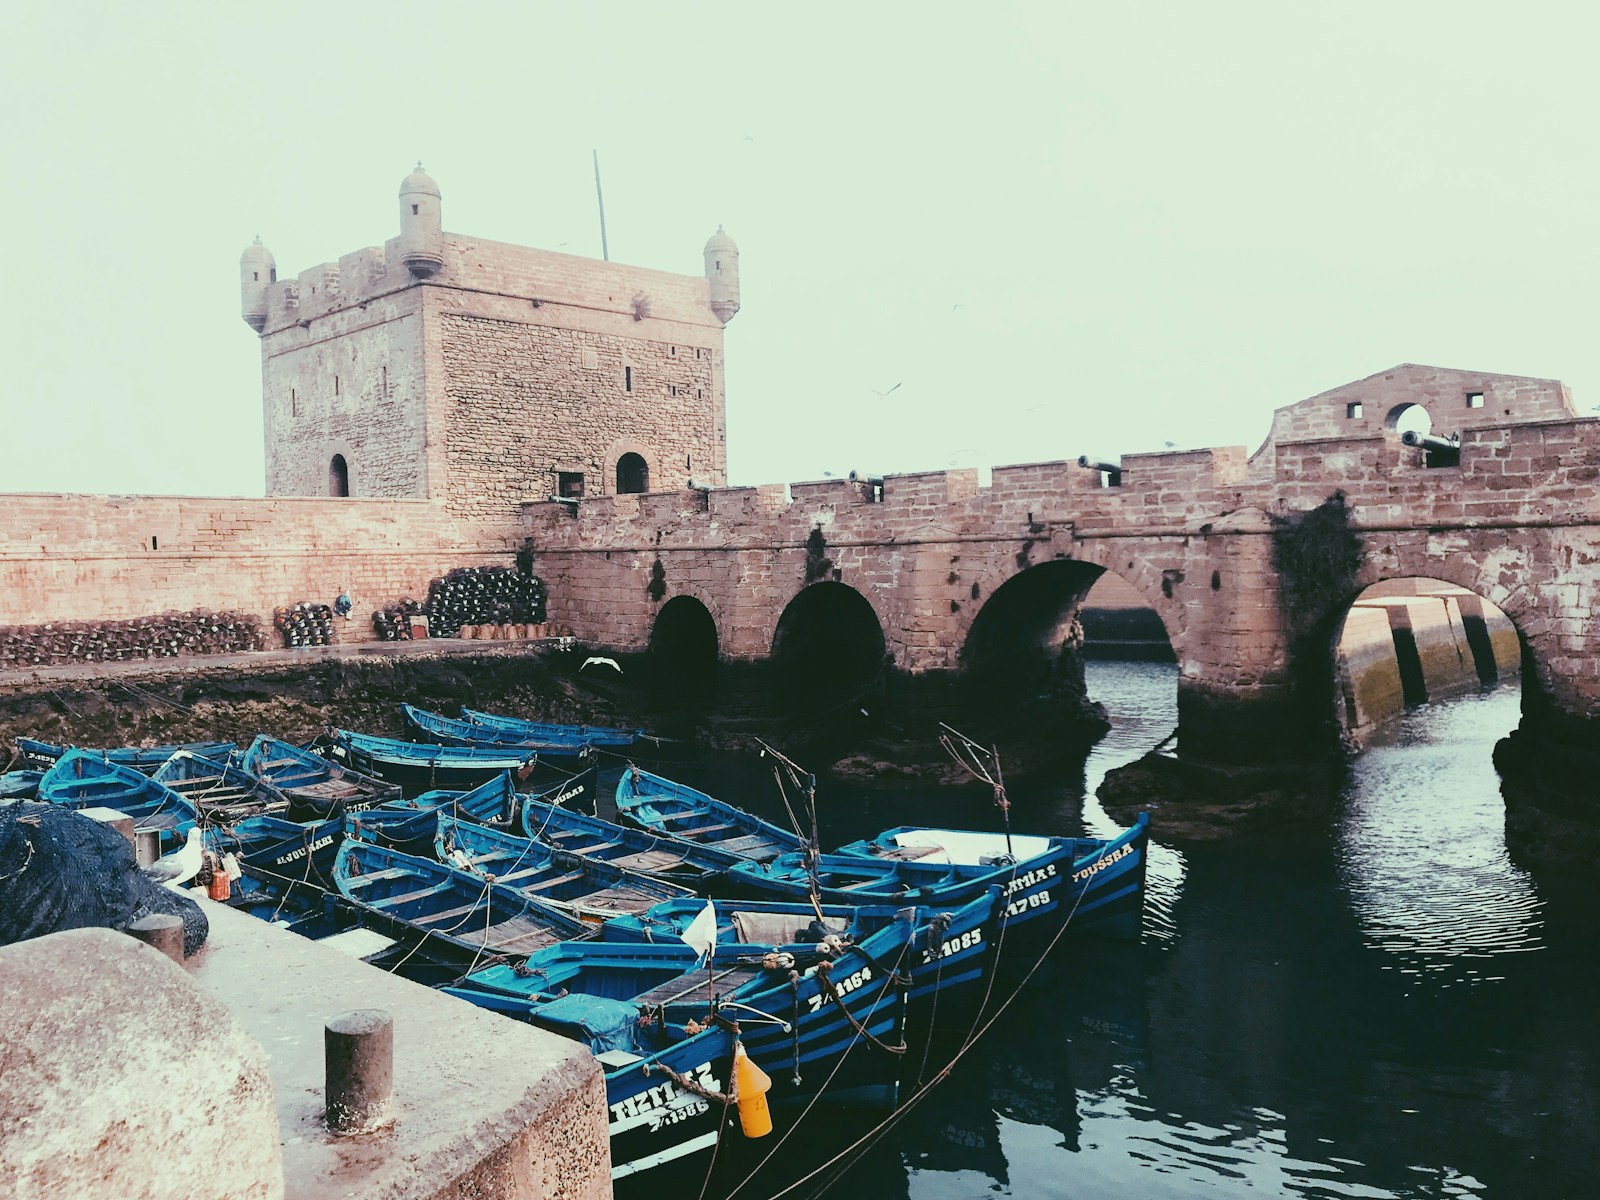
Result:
pixel 257 271
pixel 722 271
pixel 421 225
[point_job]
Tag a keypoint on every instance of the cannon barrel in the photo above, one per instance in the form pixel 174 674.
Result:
pixel 1098 464
pixel 1427 441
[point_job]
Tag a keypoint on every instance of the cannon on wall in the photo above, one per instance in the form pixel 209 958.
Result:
pixel 1110 472
pixel 1441 451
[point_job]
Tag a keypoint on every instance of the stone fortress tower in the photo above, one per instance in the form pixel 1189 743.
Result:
pixel 482 375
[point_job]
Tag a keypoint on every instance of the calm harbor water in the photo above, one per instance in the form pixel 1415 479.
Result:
pixel 1387 1007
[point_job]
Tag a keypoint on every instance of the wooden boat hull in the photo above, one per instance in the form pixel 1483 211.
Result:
pixel 653 1120
pixel 570 752
pixel 144 759
pixel 285 850
pixel 590 890
pixel 83 779
pixel 222 793
pixel 675 810
pixel 457 916
pixel 422 766
pixel 313 785
pixel 667 859
pixel 594 735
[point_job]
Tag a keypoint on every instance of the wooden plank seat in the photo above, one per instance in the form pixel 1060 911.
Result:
pixel 516 936
pixel 158 820
pixel 595 849
pixel 649 860
pixel 619 900
pixel 449 914
pixel 360 881
pixel 407 897
pixel 695 984
pixel 547 884
pixel 751 841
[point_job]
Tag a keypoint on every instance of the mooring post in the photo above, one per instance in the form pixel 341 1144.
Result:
pixel 359 1054
pixel 161 930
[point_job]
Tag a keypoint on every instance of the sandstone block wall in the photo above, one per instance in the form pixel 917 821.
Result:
pixel 65 558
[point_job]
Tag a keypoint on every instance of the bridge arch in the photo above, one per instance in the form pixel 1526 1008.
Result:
pixel 684 651
pixel 1017 644
pixel 828 643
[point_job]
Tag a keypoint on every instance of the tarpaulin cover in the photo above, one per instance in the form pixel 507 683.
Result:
pixel 603 1023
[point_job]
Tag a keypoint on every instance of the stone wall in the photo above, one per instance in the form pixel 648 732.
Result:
pixel 72 558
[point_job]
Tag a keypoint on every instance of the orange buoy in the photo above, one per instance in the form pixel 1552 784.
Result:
pixel 750 1087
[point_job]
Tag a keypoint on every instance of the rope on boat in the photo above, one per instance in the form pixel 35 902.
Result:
pixel 690 1085
pixel 935 945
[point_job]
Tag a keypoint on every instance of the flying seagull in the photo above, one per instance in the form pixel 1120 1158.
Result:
pixel 182 865
pixel 881 395
pixel 594 660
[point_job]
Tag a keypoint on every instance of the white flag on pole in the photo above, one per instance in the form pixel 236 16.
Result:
pixel 702 931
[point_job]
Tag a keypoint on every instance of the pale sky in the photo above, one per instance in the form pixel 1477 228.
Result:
pixel 1058 227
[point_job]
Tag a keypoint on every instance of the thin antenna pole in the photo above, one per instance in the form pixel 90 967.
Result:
pixel 605 251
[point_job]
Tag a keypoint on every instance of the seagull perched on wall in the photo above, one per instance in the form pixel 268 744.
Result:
pixel 176 869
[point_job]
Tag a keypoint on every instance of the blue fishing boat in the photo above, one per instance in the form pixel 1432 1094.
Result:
pixel 422 765
pixel 447 731
pixel 1104 886
pixel 595 735
pixel 286 851
pixel 83 779
pixel 676 810
pixel 316 788
pixel 222 792
pixel 495 802
pixel 20 785
pixel 453 914
pixel 145 759
pixel 401 827
pixel 951 953
pixel 668 859
pixel 589 889
pixel 1046 887
pixel 664 1029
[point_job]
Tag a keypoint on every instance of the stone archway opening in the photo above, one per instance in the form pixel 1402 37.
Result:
pixel 1408 418
pixel 828 647
pixel 1411 641
pixel 338 476
pixel 1026 648
pixel 633 474
pixel 683 655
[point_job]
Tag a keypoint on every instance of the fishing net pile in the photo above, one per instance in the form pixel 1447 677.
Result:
pixel 166 635
pixel 484 596
pixel 61 870
pixel 304 624
pixel 393 624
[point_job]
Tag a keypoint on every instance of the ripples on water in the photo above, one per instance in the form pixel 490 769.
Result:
pixel 1384 1009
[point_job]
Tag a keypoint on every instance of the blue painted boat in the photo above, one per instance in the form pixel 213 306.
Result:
pixel 952 951
pixel 595 735
pixel 676 810
pixel 698 867
pixel 447 731
pixel 83 779
pixel 642 1008
pixel 286 851
pixel 20 785
pixel 589 889
pixel 1104 886
pixel 221 792
pixel 449 913
pixel 1047 888
pixel 406 829
pixel 418 766
pixel 316 788
pixel 495 802
pixel 145 759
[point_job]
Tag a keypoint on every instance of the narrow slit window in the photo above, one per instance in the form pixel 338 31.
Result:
pixel 627 379
pixel 386 382
pixel 335 385
pixel 294 403
pixel 154 545
pixel 413 210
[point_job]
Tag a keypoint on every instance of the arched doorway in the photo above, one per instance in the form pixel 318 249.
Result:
pixel 828 646
pixel 633 474
pixel 338 476
pixel 683 654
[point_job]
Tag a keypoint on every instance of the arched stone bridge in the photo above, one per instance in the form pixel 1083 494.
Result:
pixel 960 576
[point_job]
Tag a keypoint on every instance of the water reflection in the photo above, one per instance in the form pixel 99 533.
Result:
pixel 1282 1030
pixel 1424 859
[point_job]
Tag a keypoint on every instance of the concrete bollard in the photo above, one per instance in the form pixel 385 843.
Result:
pixel 359 1056
pixel 161 930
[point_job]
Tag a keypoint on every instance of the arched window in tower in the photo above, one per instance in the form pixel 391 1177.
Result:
pixel 633 473
pixel 338 476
